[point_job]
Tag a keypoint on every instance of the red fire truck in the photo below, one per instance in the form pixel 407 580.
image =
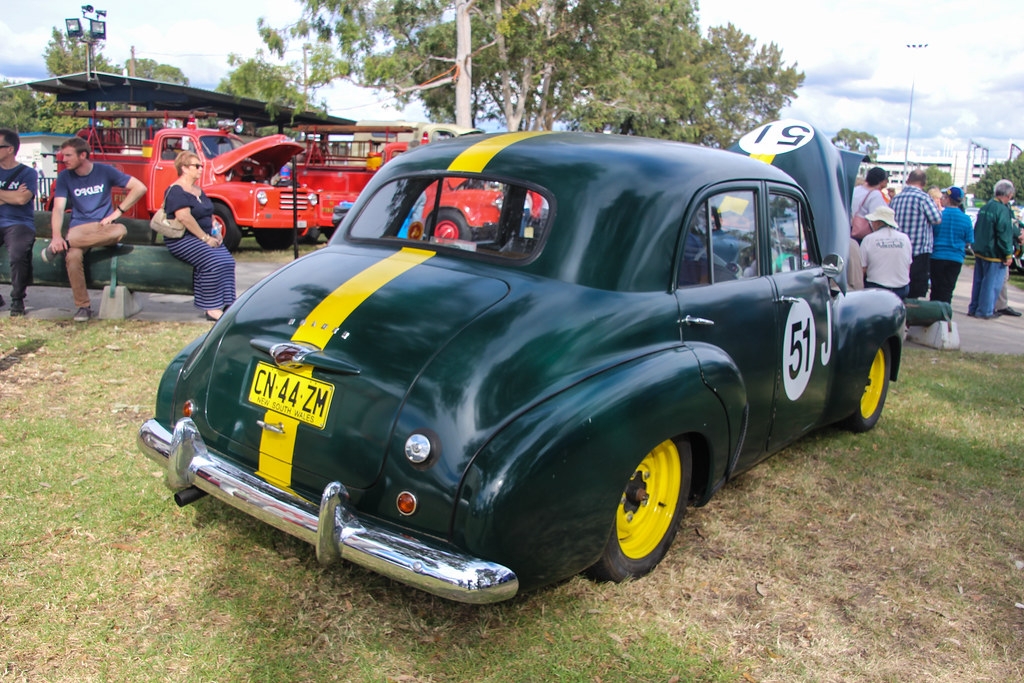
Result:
pixel 339 160
pixel 241 178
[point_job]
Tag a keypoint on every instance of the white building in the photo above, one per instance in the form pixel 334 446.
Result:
pixel 41 149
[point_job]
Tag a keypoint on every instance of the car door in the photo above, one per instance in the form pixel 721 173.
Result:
pixel 804 309
pixel 726 299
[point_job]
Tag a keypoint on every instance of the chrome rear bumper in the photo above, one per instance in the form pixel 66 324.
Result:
pixel 333 528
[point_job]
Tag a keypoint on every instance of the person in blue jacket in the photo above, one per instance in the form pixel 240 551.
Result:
pixel 951 238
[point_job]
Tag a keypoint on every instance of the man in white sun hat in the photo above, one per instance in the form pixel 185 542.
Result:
pixel 886 253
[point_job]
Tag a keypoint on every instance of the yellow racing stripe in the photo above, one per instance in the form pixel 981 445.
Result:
pixel 475 158
pixel 766 158
pixel 277 450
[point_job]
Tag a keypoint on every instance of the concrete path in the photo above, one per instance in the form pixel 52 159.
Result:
pixel 55 303
pixel 1000 335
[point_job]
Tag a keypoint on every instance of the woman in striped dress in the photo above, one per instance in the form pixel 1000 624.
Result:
pixel 214 276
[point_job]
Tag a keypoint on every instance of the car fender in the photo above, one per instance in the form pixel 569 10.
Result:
pixel 540 496
pixel 169 382
pixel 863 320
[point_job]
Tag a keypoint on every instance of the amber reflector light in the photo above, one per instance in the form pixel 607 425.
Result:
pixel 406 503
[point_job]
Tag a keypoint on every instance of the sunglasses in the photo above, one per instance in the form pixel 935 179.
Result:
pixel 7 146
pixel 194 165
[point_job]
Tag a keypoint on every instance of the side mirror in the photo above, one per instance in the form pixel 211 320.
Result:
pixel 833 266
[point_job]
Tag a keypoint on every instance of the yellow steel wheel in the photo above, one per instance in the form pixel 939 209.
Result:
pixel 873 392
pixel 875 388
pixel 648 514
pixel 649 502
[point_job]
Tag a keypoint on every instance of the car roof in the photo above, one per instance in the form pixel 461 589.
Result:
pixel 618 201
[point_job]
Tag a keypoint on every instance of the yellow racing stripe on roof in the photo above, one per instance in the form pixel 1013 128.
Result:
pixel 475 158
pixel 277 449
pixel 766 158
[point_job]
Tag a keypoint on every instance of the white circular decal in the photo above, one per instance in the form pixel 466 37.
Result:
pixel 777 137
pixel 798 349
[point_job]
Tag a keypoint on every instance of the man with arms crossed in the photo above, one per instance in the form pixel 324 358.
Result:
pixel 17 225
pixel 87 187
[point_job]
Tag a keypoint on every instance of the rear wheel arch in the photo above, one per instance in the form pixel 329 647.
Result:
pixel 553 474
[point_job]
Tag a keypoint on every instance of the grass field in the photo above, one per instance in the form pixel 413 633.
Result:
pixel 894 555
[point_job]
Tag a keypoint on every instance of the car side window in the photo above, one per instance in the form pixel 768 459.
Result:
pixel 790 249
pixel 722 233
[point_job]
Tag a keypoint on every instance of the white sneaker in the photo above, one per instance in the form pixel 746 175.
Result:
pixel 48 255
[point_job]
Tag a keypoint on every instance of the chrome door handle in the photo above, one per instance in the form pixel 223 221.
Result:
pixel 788 299
pixel 691 320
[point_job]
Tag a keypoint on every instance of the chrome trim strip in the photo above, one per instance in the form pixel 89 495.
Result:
pixel 333 527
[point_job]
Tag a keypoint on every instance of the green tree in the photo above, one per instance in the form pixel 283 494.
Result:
pixel 257 78
pixel 937 177
pixel 154 71
pixel 26 112
pixel 746 86
pixel 856 141
pixel 1011 170
pixel 66 56
pixel 637 66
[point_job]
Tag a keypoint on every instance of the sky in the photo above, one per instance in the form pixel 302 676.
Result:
pixel 968 83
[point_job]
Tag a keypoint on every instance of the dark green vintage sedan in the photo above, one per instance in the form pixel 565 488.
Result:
pixel 475 415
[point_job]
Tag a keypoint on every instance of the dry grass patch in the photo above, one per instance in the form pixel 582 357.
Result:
pixel 885 556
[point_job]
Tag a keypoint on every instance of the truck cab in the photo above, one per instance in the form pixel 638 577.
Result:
pixel 241 178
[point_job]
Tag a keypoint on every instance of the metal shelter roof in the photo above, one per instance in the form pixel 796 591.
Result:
pixel 104 87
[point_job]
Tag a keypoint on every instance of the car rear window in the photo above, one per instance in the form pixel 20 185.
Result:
pixel 466 213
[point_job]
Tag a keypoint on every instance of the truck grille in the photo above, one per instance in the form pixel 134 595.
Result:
pixel 288 199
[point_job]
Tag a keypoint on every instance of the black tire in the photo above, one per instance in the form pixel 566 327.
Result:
pixel 273 239
pixel 232 234
pixel 643 531
pixel 451 224
pixel 876 387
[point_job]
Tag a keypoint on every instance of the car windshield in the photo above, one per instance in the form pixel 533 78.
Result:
pixel 215 145
pixel 472 214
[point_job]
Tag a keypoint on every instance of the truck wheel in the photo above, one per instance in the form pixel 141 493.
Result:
pixel 223 219
pixel 272 239
pixel 873 398
pixel 451 225
pixel 648 516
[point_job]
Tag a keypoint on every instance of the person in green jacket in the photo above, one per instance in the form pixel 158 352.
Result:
pixel 993 248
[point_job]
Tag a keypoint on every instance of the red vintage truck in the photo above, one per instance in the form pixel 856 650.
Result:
pixel 241 178
pixel 339 160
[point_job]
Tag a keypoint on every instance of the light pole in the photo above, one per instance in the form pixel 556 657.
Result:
pixel 913 71
pixel 97 33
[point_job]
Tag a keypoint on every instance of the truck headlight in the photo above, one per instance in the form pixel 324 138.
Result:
pixel 312 199
pixel 261 197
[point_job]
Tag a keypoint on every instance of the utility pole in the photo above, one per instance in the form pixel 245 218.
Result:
pixel 305 72
pixel 906 152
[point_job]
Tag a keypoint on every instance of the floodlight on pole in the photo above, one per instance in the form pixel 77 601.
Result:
pixel 906 151
pixel 97 32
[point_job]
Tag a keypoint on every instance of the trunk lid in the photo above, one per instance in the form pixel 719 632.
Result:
pixel 369 324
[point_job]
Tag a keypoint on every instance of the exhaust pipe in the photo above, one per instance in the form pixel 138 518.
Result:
pixel 188 496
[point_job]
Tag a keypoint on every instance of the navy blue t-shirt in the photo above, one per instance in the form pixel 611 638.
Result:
pixel 12 179
pixel 89 195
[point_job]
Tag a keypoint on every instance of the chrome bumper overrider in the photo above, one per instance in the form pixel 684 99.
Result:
pixel 333 527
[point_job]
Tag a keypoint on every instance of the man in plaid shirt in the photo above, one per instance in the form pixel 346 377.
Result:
pixel 916 213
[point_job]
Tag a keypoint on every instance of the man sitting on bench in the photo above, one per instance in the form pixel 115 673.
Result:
pixel 87 187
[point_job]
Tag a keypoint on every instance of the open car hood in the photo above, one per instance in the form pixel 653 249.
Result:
pixel 374 337
pixel 276 150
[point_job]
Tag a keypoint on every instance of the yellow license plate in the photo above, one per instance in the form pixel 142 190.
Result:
pixel 303 398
